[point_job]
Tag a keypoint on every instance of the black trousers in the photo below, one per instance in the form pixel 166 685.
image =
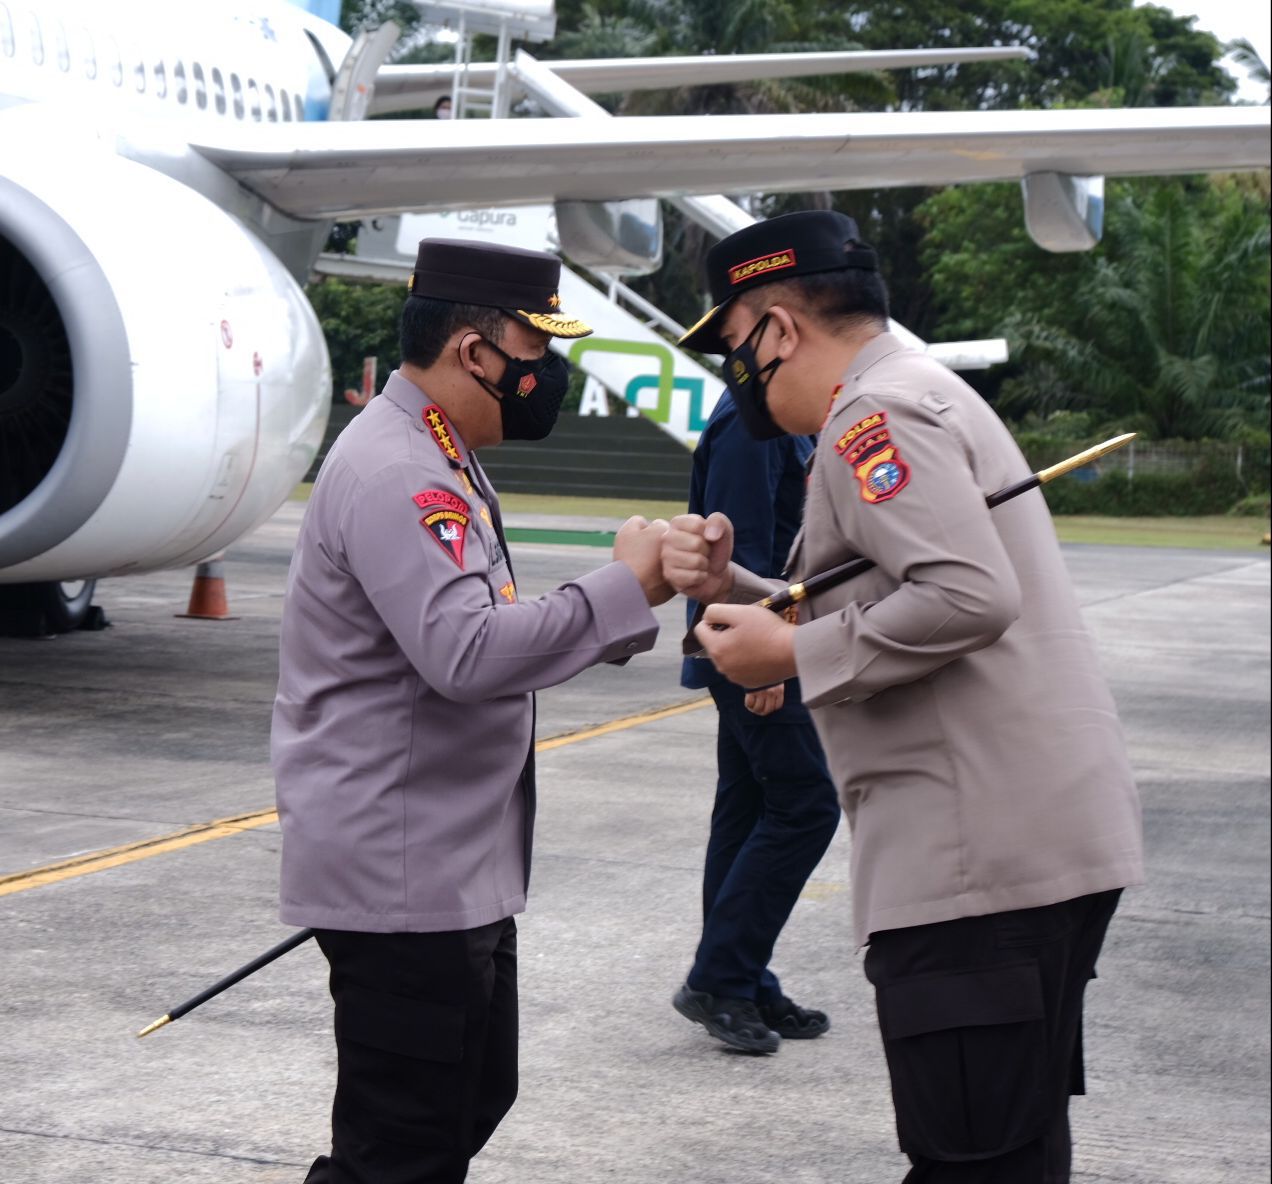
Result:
pixel 775 814
pixel 426 1037
pixel 981 1020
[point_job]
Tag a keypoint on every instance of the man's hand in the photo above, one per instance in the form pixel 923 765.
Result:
pixel 755 649
pixel 639 545
pixel 766 700
pixel 696 554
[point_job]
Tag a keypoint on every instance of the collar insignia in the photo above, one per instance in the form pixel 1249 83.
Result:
pixel 436 423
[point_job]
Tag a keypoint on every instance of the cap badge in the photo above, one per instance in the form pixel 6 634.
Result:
pixel 554 301
pixel 761 265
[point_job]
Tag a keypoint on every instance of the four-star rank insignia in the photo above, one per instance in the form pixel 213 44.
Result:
pixel 446 518
pixel 435 421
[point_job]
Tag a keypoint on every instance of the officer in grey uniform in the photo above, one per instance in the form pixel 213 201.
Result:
pixel 403 728
pixel 974 743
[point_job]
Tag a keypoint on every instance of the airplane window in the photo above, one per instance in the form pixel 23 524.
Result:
pixel 161 80
pixel 63 48
pixel 271 108
pixel 253 100
pixel 139 77
pixel 200 89
pixel 179 81
pixel 88 56
pixel 299 107
pixel 236 89
pixel 37 40
pixel 284 104
pixel 218 91
pixel 6 32
pixel 116 62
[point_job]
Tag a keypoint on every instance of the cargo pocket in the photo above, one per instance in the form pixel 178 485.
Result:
pixel 967 1053
pixel 401 1077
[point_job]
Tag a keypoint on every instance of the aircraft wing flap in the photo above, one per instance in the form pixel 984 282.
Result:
pixel 350 170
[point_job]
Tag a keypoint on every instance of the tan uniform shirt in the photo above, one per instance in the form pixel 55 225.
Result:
pixel 407 661
pixel 956 690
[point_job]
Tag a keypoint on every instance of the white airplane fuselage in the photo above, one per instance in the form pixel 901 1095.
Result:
pixel 199 382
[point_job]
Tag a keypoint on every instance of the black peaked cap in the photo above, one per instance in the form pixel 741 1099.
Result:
pixel 776 249
pixel 519 282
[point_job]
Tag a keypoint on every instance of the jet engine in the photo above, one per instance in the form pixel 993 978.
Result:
pixel 164 383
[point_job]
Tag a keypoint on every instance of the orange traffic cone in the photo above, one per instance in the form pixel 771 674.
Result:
pixel 207 596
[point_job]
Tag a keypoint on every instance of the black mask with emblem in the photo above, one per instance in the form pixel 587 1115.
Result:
pixel 530 393
pixel 748 383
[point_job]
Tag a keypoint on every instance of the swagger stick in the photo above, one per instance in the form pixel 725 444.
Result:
pixel 229 980
pixel 794 593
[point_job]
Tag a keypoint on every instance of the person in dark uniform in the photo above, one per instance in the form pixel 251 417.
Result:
pixel 957 693
pixel 775 807
pixel 403 726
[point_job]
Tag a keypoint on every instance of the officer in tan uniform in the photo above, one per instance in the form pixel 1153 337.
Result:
pixel 404 723
pixel 975 746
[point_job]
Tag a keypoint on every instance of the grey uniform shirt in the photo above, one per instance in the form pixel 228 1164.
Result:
pixel 404 715
pixel 955 688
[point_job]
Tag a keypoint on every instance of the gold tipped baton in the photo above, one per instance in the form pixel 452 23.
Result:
pixel 794 593
pixel 229 980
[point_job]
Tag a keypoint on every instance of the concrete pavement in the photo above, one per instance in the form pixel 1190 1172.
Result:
pixel 159 723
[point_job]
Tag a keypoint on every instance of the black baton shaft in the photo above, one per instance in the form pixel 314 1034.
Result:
pixel 794 593
pixel 283 947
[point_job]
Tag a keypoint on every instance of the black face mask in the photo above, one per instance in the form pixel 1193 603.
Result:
pixel 748 384
pixel 529 393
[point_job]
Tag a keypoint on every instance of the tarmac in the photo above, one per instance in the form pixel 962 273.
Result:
pixel 111 740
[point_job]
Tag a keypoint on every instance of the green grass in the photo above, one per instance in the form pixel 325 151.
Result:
pixel 1214 533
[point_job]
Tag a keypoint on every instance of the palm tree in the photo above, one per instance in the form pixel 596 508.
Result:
pixel 1175 337
pixel 1247 57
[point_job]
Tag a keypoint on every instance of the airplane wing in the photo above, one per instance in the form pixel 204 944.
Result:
pixel 351 170
pixel 412 88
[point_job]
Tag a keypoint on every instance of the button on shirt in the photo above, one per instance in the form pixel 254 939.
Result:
pixel 404 718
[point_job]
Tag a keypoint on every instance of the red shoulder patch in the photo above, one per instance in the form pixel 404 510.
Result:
pixel 883 474
pixel 439 497
pixel 845 442
pixel 446 518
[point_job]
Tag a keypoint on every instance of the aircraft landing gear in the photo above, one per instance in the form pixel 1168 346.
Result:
pixel 40 610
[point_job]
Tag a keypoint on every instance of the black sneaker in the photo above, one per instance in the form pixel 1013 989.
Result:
pixel 792 1022
pixel 735 1021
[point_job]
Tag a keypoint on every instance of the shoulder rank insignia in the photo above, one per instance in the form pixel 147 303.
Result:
pixel 883 474
pixel 446 518
pixel 436 422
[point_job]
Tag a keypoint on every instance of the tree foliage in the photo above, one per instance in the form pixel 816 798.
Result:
pixel 358 320
pixel 1162 329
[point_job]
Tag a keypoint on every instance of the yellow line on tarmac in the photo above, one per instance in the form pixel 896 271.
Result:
pixel 619 725
pixel 99 861
pixel 220 828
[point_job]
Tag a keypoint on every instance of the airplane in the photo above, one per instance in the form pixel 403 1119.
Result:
pixel 166 185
